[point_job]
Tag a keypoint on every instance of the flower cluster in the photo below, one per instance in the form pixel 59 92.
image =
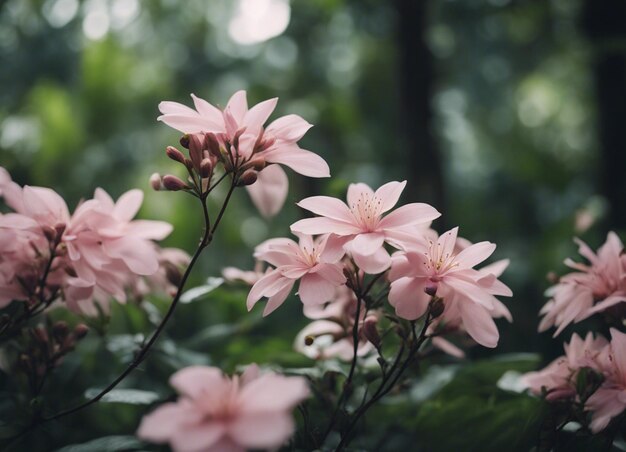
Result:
pixel 214 412
pixel 236 138
pixel 86 258
pixel 352 239
pixel 599 286
pixel 603 396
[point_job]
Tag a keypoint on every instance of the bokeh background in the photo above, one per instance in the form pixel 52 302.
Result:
pixel 507 115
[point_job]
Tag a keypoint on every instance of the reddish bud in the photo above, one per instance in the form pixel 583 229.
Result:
pixel 212 144
pixel 49 233
pixel 173 274
pixel 437 307
pixel 308 340
pixel 81 331
pixel 175 154
pixel 371 332
pixel 206 168
pixel 40 335
pixel 155 181
pixel 184 141
pixel 173 183
pixel 60 331
pixel 431 288
pixel 249 177
pixel 60 229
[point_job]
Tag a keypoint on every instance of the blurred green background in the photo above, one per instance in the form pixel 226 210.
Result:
pixel 507 115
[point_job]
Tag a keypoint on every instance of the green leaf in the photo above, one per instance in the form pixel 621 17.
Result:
pixel 131 396
pixel 198 292
pixel 106 443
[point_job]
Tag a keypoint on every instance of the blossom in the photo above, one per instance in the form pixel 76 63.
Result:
pixel 361 223
pixel 256 146
pixel 468 294
pixel 558 379
pixel 99 250
pixel 592 288
pixel 217 413
pixel 609 400
pixel 331 334
pixel 317 267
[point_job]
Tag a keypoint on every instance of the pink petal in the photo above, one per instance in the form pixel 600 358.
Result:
pixel 447 240
pixel 276 300
pixel 45 204
pixel 607 303
pixel 314 289
pixel 209 112
pixel 327 207
pixel 409 214
pixel 479 324
pixel 237 106
pixel 475 254
pixel 272 392
pixel 128 205
pixel 267 283
pixel 618 350
pixel 197 438
pixel 368 244
pixel 358 191
pixel 257 115
pixel 408 297
pixel 161 424
pixel 497 268
pixel 331 273
pixel 301 161
pixel 290 128
pixel 269 191
pixel 468 290
pixel 17 221
pixel 389 194
pixel 448 347
pixel 333 249
pixel 189 123
pixel 194 380
pixel 373 263
pixel 140 255
pixel 174 108
pixel 605 405
pixel 323 225
pixel 149 229
pixel 262 431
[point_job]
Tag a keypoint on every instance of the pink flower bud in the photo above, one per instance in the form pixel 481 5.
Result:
pixel 173 183
pixel 206 168
pixel 371 332
pixel 175 154
pixel 81 331
pixel 212 144
pixel 247 178
pixel 155 181
pixel 184 141
pixel 49 233
pixel 431 288
pixel 437 307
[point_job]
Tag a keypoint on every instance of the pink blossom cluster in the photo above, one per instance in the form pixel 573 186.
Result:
pixel 558 381
pixel 215 412
pixel 237 137
pixel 360 233
pixel 598 286
pixel 89 257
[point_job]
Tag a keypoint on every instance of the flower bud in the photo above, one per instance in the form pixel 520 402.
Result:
pixel 206 168
pixel 173 274
pixel 212 144
pixel 552 277
pixel 173 183
pixel 49 233
pixel 40 335
pixel 195 149
pixel 60 330
pixel 184 141
pixel 431 288
pixel 155 181
pixel 80 331
pixel 308 341
pixel 175 154
pixel 371 332
pixel 247 178
pixel 257 163
pixel 437 307
pixel 60 229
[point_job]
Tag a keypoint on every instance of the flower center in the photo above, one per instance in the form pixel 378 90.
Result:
pixel 439 262
pixel 367 210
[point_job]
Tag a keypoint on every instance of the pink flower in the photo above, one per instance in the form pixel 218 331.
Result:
pixel 468 294
pixel 609 400
pixel 330 335
pixel 591 289
pixel 256 145
pixel 318 269
pixel 361 223
pixel 558 379
pixel 217 413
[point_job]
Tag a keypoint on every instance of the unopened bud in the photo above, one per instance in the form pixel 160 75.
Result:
pixel 196 146
pixel 49 233
pixel 552 277
pixel 206 168
pixel 437 307
pixel 40 335
pixel 308 340
pixel 247 178
pixel 212 144
pixel 80 331
pixel 257 163
pixel 60 330
pixel 371 332
pixel 184 141
pixel 431 288
pixel 173 274
pixel 155 181
pixel 173 183
pixel 175 154
pixel 60 229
